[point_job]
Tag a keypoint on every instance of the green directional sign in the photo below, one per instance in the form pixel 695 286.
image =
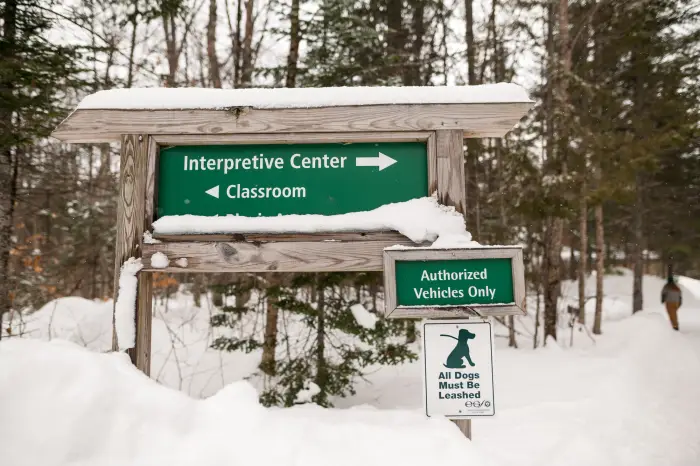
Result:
pixel 280 179
pixel 454 282
pixel 488 280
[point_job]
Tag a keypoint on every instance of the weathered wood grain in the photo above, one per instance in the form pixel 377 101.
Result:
pixel 386 236
pixel 292 138
pixel 289 256
pixel 132 219
pixel 130 204
pixel 151 183
pixel 450 169
pixel 432 164
pixel 140 354
pixel 473 120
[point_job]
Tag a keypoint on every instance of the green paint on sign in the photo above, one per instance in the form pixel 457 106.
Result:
pixel 460 282
pixel 273 179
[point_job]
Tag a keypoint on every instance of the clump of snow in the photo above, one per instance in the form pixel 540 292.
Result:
pixel 149 239
pixel 93 409
pixel 199 98
pixel 363 317
pixel 421 220
pixel 306 394
pixel 125 307
pixel 182 262
pixel 159 260
pixel 455 241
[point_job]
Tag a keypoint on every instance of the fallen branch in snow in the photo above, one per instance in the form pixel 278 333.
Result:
pixel 125 306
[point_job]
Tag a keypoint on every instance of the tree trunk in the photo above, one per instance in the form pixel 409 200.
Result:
pixel 638 222
pixel 237 45
pixel 535 337
pixel 552 283
pixel 573 269
pixel 395 38
pixel 214 74
pixel 512 342
pixel 294 39
pixel 247 49
pixel 471 52
pixel 132 44
pixel 473 146
pixel 267 364
pixel 321 369
pixel 599 269
pixel 413 75
pixel 583 256
pixel 9 165
pixel 555 224
pixel 172 55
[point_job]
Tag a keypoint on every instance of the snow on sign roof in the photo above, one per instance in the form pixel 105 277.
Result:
pixel 278 98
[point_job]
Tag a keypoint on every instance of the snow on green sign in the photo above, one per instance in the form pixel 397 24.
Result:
pixel 282 179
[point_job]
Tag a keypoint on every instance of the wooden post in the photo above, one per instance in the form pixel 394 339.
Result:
pixel 451 191
pixel 134 213
pixel 450 169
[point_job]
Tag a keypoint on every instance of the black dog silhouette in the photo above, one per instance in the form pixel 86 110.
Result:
pixel 461 350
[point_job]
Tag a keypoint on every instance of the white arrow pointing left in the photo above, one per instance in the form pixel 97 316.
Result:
pixel 214 192
pixel 382 161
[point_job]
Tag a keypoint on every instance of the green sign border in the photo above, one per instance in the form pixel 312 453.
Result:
pixel 394 311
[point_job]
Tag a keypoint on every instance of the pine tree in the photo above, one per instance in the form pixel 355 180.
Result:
pixel 34 76
pixel 322 342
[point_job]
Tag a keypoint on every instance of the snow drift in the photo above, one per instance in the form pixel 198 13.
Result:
pixel 62 404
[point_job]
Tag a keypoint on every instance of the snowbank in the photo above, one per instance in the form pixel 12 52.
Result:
pixel 79 320
pixel 420 220
pixel 86 408
pixel 198 98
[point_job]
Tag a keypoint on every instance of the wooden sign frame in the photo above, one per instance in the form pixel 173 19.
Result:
pixel 394 311
pixel 288 252
pixel 142 133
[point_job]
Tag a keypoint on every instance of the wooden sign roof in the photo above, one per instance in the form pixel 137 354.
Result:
pixel 480 111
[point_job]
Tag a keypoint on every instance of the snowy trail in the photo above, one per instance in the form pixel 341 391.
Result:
pixel 632 398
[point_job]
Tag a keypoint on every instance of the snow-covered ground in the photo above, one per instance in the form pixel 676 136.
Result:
pixel 630 397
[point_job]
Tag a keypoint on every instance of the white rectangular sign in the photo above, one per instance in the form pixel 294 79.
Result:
pixel 458 368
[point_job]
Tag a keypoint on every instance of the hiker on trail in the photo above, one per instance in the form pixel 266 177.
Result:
pixel 672 297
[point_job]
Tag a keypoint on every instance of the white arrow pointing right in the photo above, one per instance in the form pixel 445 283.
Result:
pixel 382 161
pixel 214 192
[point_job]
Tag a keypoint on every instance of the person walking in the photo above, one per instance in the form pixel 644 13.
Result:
pixel 673 298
